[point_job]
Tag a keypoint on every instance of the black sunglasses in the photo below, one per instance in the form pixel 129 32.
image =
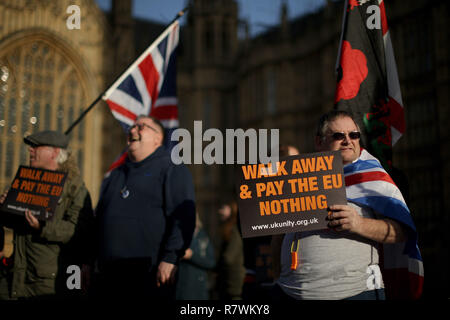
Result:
pixel 339 136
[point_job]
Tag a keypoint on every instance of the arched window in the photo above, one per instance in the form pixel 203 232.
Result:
pixel 41 88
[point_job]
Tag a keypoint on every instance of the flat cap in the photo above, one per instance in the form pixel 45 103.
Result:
pixel 47 138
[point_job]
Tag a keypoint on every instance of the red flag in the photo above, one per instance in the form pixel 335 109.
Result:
pixel 369 88
pixel 368 83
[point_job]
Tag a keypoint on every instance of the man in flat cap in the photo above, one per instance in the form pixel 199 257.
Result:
pixel 44 249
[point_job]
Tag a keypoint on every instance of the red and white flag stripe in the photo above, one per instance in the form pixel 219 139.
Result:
pixel 395 96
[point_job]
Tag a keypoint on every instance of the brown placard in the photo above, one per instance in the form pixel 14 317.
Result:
pixel 292 197
pixel 35 189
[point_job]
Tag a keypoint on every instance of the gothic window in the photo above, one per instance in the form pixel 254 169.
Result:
pixel 207 112
pixel 271 91
pixel 258 104
pixel 39 90
pixel 225 40
pixel 209 38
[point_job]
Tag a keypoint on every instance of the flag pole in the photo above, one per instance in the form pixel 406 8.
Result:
pixel 338 59
pixel 83 114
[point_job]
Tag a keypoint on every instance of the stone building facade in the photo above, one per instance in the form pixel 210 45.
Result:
pixel 49 74
pixel 207 92
pixel 282 79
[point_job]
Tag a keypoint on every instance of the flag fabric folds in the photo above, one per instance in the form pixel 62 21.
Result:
pixel 368 184
pixel 148 87
pixel 368 84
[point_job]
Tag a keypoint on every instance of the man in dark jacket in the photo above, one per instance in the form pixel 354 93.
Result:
pixel 43 250
pixel 146 216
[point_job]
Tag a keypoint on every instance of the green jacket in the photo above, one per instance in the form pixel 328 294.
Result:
pixel 230 267
pixel 41 257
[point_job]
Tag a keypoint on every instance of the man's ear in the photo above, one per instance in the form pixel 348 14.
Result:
pixel 159 138
pixel 55 152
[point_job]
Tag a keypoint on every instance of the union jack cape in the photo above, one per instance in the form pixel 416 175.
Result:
pixel 368 184
pixel 148 87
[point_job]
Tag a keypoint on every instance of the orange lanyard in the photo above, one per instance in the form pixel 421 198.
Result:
pixel 294 254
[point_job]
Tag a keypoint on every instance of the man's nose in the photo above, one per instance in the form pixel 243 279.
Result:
pixel 133 127
pixel 346 139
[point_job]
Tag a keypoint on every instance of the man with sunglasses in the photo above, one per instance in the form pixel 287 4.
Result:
pixel 340 262
pixel 146 216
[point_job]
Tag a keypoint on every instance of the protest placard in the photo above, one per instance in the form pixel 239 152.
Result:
pixel 35 189
pixel 292 196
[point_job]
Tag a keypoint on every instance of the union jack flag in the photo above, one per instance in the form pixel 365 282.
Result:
pixel 368 184
pixel 149 85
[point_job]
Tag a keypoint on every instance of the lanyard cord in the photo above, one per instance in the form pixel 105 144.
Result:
pixel 295 249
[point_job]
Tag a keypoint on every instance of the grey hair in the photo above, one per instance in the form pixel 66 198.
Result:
pixel 325 120
pixel 63 155
pixel 66 163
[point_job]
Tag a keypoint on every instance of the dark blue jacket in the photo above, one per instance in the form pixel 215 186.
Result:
pixel 146 210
